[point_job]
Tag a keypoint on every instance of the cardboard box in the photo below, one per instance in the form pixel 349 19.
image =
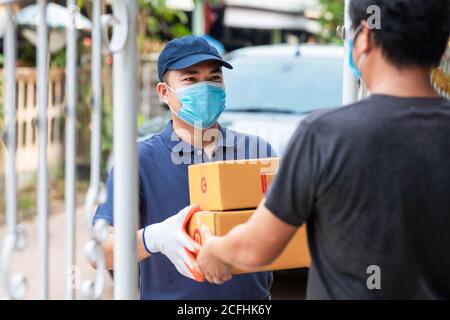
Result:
pixel 295 255
pixel 230 185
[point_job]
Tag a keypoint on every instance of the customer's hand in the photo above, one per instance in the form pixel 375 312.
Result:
pixel 170 238
pixel 212 268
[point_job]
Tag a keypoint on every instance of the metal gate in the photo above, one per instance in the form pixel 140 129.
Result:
pixel 123 46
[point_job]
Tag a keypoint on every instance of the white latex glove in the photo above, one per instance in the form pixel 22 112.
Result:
pixel 170 238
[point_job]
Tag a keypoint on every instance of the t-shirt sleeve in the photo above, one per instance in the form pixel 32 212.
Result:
pixel 291 195
pixel 105 210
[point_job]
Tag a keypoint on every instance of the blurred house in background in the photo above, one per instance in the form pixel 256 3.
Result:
pixel 27 146
pixel 26 137
pixel 242 23
pixel 26 89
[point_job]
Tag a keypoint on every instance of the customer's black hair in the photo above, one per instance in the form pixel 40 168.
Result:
pixel 412 33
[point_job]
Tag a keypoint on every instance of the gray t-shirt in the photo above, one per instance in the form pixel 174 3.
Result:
pixel 372 182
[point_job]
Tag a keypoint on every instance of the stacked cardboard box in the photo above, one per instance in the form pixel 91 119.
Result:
pixel 228 193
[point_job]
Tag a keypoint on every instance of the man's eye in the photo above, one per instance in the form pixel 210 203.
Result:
pixel 190 79
pixel 216 78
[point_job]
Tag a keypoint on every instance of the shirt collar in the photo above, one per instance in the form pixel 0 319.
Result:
pixel 171 139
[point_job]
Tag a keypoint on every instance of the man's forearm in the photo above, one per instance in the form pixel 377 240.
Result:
pixel 108 249
pixel 235 249
pixel 256 243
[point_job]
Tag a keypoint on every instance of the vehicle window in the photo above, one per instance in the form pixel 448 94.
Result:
pixel 298 85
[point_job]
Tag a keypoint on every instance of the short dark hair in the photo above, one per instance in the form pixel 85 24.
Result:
pixel 413 32
pixel 165 77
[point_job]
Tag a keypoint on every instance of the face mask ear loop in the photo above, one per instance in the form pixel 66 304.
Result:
pixel 363 56
pixel 170 107
pixel 361 61
pixel 356 33
pixel 170 88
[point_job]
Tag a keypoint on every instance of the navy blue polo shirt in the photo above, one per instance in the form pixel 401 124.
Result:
pixel 163 192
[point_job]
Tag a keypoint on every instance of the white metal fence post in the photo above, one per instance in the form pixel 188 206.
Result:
pixel 125 153
pixel 15 287
pixel 349 81
pixel 42 88
pixel 97 193
pixel 70 147
pixel 198 18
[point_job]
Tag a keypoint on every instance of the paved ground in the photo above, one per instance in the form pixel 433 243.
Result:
pixel 287 285
pixel 26 261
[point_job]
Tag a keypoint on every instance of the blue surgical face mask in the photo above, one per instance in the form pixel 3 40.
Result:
pixel 202 103
pixel 352 61
pixel 353 67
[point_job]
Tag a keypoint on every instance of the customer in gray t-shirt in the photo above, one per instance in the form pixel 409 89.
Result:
pixel 372 181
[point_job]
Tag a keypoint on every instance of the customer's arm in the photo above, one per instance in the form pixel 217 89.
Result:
pixel 256 243
pixel 249 246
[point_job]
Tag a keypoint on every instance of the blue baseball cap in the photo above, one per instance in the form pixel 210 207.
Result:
pixel 184 52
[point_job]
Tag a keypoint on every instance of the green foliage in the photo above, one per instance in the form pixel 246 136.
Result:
pixel 180 30
pixel 27 203
pixel 140 119
pixel 107 134
pixel 81 3
pixel 27 53
pixel 1 102
pixel 58 59
pixel 332 16
pixel 160 20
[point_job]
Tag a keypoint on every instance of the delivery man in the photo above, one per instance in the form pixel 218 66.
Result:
pixel 192 86
pixel 371 180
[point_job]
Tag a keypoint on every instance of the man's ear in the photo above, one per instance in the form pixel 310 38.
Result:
pixel 163 92
pixel 365 39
